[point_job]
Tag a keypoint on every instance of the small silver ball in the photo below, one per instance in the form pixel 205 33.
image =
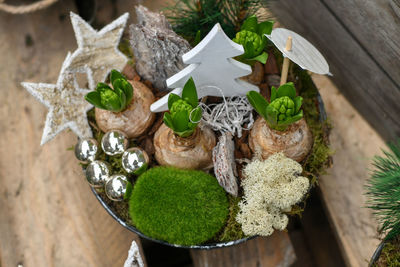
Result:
pixel 134 159
pixel 86 150
pixel 97 173
pixel 116 187
pixel 114 143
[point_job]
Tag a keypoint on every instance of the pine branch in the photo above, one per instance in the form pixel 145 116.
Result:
pixel 187 17
pixel 383 190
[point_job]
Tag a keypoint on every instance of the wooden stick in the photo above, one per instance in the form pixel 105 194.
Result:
pixel 286 61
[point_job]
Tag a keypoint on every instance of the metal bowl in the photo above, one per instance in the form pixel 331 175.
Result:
pixel 376 254
pixel 322 117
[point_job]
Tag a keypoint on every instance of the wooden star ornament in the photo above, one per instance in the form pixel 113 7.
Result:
pixel 66 103
pixel 97 50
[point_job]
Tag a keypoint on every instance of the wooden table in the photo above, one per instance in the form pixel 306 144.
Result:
pixel 49 217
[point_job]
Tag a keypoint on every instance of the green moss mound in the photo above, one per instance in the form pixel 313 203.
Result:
pixel 182 207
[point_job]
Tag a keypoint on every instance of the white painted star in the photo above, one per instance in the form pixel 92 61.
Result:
pixel 97 50
pixel 66 103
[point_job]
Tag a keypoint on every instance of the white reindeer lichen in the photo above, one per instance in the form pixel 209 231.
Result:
pixel 271 187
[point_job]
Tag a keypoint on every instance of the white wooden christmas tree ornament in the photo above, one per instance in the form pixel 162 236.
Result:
pixel 213 69
pixel 97 50
pixel 66 103
pixel 300 51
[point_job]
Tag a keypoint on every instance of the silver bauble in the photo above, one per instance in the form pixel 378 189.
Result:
pixel 134 159
pixel 97 173
pixel 116 187
pixel 86 150
pixel 114 143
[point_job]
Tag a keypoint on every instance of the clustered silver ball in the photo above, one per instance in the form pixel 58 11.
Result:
pixel 86 150
pixel 116 187
pixel 98 175
pixel 134 160
pixel 114 143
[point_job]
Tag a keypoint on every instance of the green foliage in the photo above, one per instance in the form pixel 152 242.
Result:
pixel 233 229
pixel 284 108
pixel 188 17
pixel 114 100
pixel 184 114
pixel 183 207
pixel 252 37
pixel 319 158
pixel 383 190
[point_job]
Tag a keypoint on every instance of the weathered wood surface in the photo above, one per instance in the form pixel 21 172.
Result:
pixel 275 250
pixel 360 41
pixel 48 215
pixel 354 143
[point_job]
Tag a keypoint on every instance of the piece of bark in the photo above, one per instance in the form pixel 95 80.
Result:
pixel 159 120
pixel 264 90
pixel 271 67
pixel 157 48
pixel 273 80
pixel 244 148
pixel 257 75
pixel 225 165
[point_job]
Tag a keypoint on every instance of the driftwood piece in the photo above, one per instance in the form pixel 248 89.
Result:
pixel 224 164
pixel 157 48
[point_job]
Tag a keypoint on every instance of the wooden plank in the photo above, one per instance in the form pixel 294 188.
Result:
pixel 49 217
pixel 275 250
pixel 375 26
pixel 343 187
pixel 356 74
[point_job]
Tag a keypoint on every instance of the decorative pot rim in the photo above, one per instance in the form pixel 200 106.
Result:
pixel 135 230
pixel 376 254
pixel 322 118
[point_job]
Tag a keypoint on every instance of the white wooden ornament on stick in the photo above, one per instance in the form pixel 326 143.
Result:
pixel 286 61
pixel 212 68
pixel 302 52
pixel 97 50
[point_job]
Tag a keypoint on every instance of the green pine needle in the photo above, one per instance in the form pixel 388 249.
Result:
pixel 187 17
pixel 383 190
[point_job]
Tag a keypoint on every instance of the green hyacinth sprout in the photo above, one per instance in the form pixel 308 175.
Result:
pixel 115 100
pixel 184 113
pixel 252 37
pixel 383 190
pixel 284 108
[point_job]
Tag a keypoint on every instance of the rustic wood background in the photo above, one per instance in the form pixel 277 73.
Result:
pixel 48 216
pixel 360 40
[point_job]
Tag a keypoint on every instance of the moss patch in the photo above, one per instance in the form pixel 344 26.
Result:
pixel 390 255
pixel 178 206
pixel 319 158
pixel 233 229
